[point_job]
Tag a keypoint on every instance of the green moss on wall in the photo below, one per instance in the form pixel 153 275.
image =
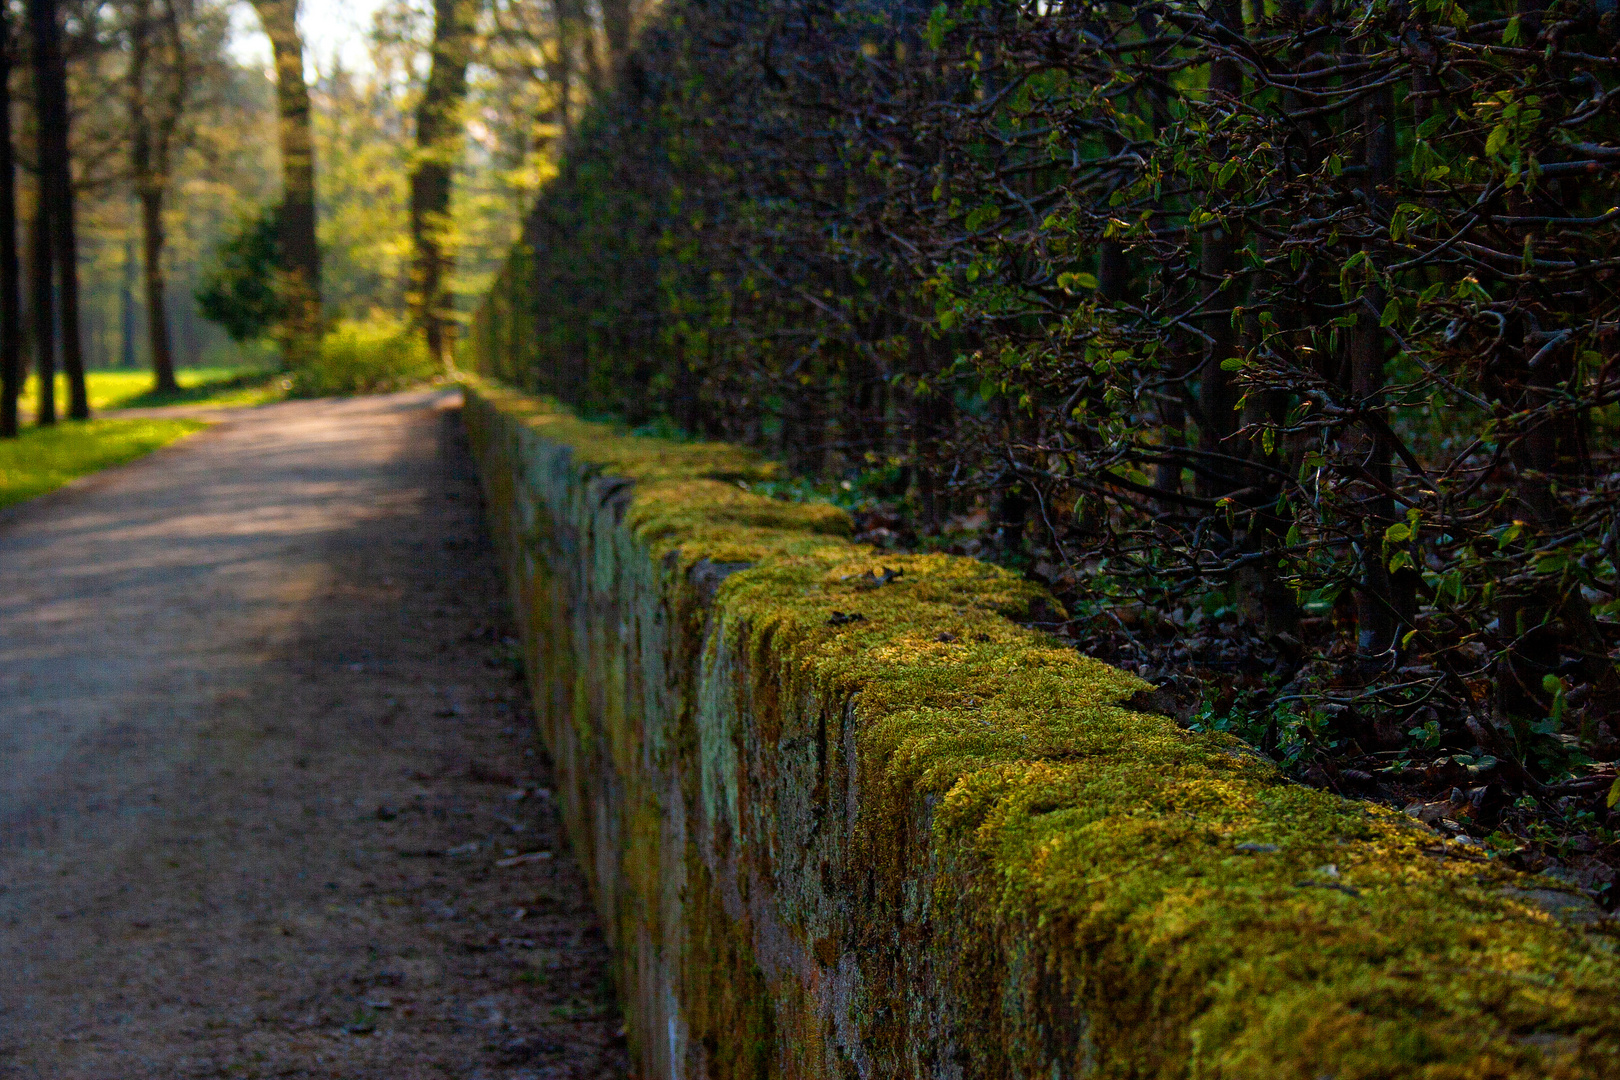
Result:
pixel 1035 879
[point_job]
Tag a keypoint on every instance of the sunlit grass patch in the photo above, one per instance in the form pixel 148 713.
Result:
pixel 43 459
pixel 218 386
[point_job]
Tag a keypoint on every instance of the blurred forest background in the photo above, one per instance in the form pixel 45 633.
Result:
pixel 180 95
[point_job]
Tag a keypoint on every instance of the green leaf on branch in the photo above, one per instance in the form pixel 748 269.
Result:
pixel 982 216
pixel 940 23
pixel 1557 688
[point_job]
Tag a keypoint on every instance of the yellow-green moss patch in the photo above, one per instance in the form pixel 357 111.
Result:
pixel 1098 891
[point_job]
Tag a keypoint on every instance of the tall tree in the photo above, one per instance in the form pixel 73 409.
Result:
pixel 11 370
pixel 574 57
pixel 56 190
pixel 126 306
pixel 159 83
pixel 439 138
pixel 1380 607
pixel 1217 392
pixel 300 254
pixel 42 312
pixel 617 18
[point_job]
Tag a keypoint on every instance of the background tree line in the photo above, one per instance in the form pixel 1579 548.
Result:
pixel 414 175
pixel 294 196
pixel 1279 338
pixel 107 111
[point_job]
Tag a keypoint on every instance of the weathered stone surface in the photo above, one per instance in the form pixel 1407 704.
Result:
pixel 927 842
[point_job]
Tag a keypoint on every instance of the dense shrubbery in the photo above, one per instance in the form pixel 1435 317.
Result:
pixel 1299 321
pixel 366 357
pixel 242 292
pixel 238 288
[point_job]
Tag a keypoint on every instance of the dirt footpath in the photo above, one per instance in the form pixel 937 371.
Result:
pixel 269 801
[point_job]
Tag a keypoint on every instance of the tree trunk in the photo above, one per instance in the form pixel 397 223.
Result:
pixel 300 255
pixel 617 16
pixel 56 185
pixel 149 163
pixel 438 148
pixel 1217 396
pixel 11 367
pixel 126 305
pixel 43 313
pixel 157 312
pixel 575 27
pixel 562 74
pixel 1381 604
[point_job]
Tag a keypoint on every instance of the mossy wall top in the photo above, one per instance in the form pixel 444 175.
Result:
pixel 841 827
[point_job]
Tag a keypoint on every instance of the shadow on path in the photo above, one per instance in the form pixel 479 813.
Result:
pixel 269 802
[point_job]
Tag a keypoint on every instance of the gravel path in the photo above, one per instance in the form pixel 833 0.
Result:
pixel 269 802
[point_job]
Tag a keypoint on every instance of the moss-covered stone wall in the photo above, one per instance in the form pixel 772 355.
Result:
pixel 848 823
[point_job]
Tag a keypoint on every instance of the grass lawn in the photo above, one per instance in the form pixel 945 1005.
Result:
pixel 44 459
pixel 218 386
